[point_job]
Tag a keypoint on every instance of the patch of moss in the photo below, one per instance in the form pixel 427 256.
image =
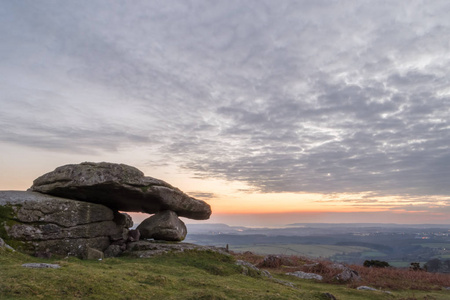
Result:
pixel 7 212
pixel 8 218
pixel 7 215
pixel 20 246
pixel 145 189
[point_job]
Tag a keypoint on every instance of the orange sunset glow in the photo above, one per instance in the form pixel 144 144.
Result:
pixel 273 113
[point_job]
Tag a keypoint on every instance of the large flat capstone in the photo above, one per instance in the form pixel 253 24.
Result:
pixel 120 187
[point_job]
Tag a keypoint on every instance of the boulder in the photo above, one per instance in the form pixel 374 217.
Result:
pixel 144 249
pixel 304 275
pixel 164 226
pixel 92 253
pixel 41 224
pixel 41 266
pixel 347 274
pixel 275 261
pixel 119 187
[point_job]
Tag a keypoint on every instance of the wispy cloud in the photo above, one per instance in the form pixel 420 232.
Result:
pixel 298 96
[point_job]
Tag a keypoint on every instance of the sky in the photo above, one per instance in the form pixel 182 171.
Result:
pixel 273 112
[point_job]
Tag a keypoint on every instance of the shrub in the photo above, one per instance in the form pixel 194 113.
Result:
pixel 415 266
pixel 376 264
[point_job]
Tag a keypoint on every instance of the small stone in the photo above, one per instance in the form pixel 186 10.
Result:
pixel 347 274
pixel 304 275
pixel 329 296
pixel 41 266
pixel 92 253
pixel 366 288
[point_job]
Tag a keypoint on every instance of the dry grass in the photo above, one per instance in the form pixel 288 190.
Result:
pixel 395 279
pixel 382 278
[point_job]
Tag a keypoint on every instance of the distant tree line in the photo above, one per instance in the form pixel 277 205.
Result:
pixel 438 266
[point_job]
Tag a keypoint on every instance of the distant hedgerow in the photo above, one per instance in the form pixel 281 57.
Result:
pixel 376 264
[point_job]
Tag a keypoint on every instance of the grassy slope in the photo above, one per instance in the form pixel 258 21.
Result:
pixel 299 249
pixel 190 275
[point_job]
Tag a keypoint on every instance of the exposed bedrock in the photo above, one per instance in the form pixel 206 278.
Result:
pixel 35 223
pixel 119 187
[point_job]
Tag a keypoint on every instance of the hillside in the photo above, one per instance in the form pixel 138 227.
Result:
pixel 190 275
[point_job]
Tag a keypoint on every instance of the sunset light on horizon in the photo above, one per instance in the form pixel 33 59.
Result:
pixel 274 113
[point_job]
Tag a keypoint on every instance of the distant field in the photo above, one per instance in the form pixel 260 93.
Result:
pixel 435 245
pixel 324 251
pixel 402 264
pixel 372 253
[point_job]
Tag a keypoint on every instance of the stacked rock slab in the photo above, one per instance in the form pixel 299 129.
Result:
pixel 74 210
pixel 45 225
pixel 119 187
pixel 125 188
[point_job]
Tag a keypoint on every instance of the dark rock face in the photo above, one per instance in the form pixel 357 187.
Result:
pixel 164 226
pixel 36 223
pixel 119 187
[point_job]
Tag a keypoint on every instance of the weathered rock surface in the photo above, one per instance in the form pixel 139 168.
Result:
pixel 144 249
pixel 250 270
pixel 368 288
pixel 119 187
pixel 347 274
pixel 275 261
pixel 41 266
pixel 304 275
pixel 164 226
pixel 35 223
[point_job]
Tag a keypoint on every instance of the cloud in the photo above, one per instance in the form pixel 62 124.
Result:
pixel 203 195
pixel 297 96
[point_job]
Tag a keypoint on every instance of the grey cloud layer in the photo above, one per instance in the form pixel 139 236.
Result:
pixel 315 96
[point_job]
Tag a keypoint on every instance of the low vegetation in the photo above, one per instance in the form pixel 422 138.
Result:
pixel 203 275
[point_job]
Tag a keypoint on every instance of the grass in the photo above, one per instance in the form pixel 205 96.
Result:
pixel 187 275
pixel 401 264
pixel 369 254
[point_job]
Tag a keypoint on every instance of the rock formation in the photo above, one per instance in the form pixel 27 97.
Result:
pixel 74 210
pixel 119 187
pixel 163 226
pixel 37 224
